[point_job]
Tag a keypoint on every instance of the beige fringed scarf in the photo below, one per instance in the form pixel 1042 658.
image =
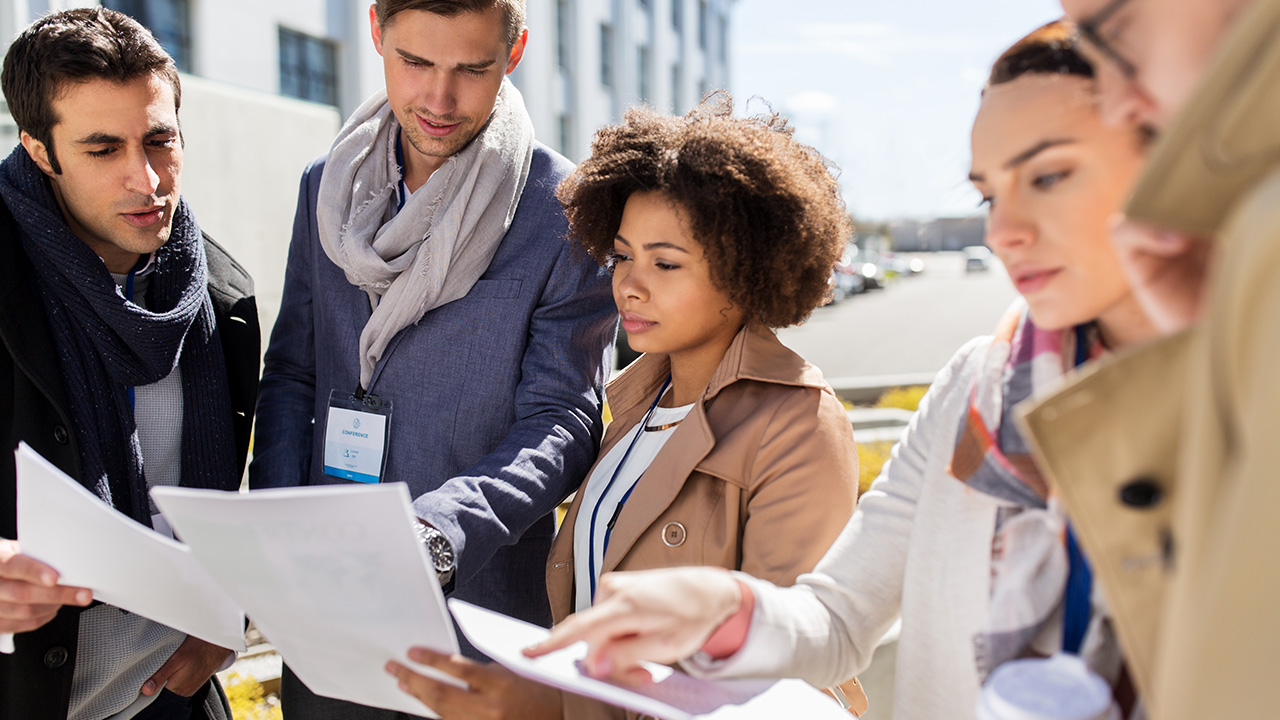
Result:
pixel 441 241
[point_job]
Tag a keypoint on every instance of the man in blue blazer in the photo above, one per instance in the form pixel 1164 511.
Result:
pixel 437 328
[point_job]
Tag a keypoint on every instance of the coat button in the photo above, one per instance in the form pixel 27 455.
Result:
pixel 60 434
pixel 1141 493
pixel 55 658
pixel 673 534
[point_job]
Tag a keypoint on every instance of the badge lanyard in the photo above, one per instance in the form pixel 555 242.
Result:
pixel 595 512
pixel 1078 604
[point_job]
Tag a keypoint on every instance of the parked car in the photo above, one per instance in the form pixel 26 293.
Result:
pixel 872 269
pixel 977 258
pixel 903 265
pixel 846 282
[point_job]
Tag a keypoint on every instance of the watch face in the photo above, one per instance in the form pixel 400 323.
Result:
pixel 441 552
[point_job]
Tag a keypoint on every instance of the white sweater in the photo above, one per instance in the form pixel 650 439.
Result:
pixel 919 546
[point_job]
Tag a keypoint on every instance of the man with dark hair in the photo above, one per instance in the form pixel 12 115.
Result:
pixel 431 297
pixel 130 355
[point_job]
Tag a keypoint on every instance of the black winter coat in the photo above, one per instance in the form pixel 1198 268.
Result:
pixel 35 682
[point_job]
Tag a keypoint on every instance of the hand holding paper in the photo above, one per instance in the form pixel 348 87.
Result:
pixel 29 592
pixel 127 565
pixel 672 696
pixel 333 575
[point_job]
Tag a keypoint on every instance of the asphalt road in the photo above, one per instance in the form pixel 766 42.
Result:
pixel 912 326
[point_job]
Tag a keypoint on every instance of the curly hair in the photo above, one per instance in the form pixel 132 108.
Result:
pixel 765 208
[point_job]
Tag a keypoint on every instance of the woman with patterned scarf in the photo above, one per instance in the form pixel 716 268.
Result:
pixel 959 536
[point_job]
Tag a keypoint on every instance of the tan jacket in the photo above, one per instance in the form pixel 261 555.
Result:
pixel 762 475
pixel 1168 458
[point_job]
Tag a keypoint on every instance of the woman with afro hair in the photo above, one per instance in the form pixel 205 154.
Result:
pixel 726 448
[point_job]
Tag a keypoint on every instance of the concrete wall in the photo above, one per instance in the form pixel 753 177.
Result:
pixel 245 152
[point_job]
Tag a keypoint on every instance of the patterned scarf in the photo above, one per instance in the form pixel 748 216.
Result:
pixel 1029 555
pixel 107 344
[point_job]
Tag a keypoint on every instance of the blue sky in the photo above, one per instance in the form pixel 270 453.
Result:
pixel 887 89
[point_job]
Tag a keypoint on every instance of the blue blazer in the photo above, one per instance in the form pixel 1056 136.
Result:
pixel 496 396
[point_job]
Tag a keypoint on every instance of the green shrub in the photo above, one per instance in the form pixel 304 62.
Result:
pixel 248 700
pixel 906 398
pixel 871 458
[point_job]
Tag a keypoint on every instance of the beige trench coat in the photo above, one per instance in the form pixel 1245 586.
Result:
pixel 761 476
pixel 1168 458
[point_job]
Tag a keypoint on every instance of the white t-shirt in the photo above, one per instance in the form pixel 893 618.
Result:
pixel 602 499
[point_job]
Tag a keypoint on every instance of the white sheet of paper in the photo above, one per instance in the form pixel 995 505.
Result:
pixel 673 696
pixel 334 576
pixel 125 564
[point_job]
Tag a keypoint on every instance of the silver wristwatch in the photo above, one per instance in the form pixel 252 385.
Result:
pixel 439 550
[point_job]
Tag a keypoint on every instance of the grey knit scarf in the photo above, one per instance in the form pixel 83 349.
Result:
pixel 441 241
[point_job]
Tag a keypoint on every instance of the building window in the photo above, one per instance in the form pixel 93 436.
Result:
pixel 702 24
pixel 566 134
pixel 677 15
pixel 724 38
pixel 308 67
pixel 168 20
pixel 564 30
pixel 644 85
pixel 606 55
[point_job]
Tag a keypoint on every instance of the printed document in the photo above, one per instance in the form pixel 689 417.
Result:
pixel 126 564
pixel 334 576
pixel 673 695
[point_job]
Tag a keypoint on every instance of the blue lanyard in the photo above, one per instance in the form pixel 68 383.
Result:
pixel 595 512
pixel 1078 605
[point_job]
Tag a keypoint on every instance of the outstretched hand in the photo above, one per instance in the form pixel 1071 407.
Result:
pixel 653 615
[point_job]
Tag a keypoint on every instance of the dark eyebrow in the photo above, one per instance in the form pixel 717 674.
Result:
pixel 479 65
pixel 1026 155
pixel 661 245
pixel 100 138
pixel 653 245
pixel 1035 150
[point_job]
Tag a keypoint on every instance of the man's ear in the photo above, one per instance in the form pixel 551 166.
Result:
pixel 38 152
pixel 517 51
pixel 375 28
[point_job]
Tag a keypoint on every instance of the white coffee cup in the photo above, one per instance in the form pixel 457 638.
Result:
pixel 1061 687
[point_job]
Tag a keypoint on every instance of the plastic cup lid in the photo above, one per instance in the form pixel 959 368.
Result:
pixel 1057 688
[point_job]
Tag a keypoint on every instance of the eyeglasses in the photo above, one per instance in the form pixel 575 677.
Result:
pixel 1089 31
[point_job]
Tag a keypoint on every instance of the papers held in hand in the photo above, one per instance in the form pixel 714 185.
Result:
pixel 333 575
pixel 673 696
pixel 125 564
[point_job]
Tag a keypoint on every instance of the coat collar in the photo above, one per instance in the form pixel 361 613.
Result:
pixel 755 354
pixel 1225 140
pixel 23 327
